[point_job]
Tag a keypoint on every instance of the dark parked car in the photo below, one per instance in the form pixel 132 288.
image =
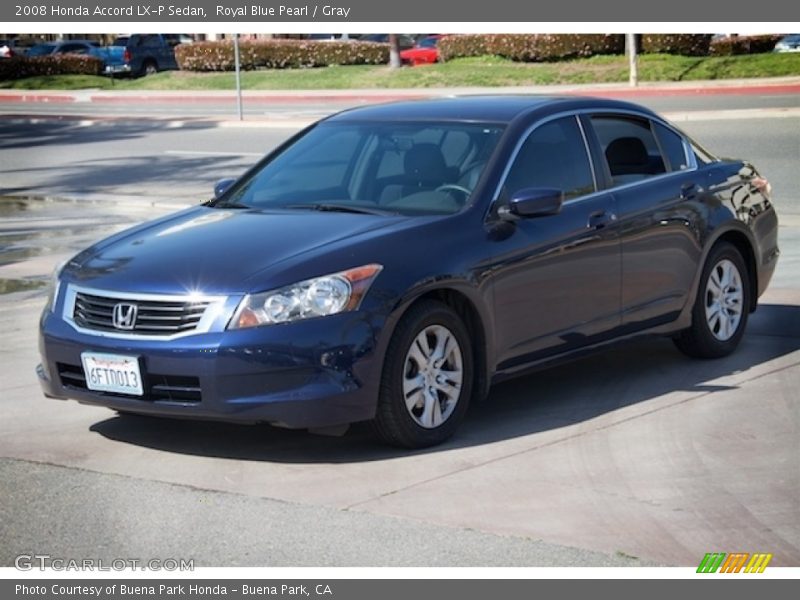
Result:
pixel 390 263
pixel 149 53
pixel 86 47
pixel 15 47
pixel 112 56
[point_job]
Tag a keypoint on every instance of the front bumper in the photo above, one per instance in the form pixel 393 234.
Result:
pixel 308 374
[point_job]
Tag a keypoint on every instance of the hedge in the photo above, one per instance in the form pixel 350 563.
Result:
pixel 684 44
pixel 278 54
pixel 460 46
pixel 752 44
pixel 531 48
pixel 18 67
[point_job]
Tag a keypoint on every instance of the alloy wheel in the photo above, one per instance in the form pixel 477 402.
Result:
pixel 433 375
pixel 724 300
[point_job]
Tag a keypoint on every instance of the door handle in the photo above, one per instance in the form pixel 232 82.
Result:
pixel 600 219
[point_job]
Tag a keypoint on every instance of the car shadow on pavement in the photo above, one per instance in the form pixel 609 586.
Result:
pixel 117 173
pixel 22 135
pixel 631 374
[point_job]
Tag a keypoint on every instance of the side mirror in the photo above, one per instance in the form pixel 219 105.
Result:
pixel 222 186
pixel 535 202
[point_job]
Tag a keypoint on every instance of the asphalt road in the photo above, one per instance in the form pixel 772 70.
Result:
pixel 311 108
pixel 635 456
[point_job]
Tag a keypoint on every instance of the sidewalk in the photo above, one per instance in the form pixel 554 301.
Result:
pixel 767 86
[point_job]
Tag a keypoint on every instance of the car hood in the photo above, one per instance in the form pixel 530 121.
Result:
pixel 213 250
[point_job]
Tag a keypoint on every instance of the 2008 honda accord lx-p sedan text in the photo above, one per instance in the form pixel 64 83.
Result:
pixel 389 263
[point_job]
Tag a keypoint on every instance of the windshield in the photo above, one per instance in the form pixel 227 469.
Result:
pixel 398 168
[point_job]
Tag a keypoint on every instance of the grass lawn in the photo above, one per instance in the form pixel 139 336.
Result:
pixel 483 71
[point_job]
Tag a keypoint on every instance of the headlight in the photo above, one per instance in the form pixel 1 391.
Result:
pixel 53 287
pixel 318 297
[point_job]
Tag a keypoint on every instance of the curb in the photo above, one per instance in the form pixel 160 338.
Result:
pixel 230 98
pixel 57 98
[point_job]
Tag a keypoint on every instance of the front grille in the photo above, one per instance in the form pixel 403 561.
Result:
pixel 158 388
pixel 154 317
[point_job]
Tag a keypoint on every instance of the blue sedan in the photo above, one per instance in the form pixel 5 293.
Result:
pixel 389 263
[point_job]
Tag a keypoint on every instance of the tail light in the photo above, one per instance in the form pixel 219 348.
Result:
pixel 126 56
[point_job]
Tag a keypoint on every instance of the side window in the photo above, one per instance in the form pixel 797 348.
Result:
pixel 73 49
pixel 553 156
pixel 672 147
pixel 630 148
pixel 150 41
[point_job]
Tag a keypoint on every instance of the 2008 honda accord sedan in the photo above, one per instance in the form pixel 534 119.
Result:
pixel 389 263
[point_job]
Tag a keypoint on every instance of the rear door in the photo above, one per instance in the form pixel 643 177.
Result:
pixel 556 278
pixel 657 187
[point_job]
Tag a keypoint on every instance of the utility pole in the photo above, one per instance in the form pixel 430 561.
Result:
pixel 238 75
pixel 630 42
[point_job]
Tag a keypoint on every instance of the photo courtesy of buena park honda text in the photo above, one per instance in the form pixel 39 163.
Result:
pixel 461 300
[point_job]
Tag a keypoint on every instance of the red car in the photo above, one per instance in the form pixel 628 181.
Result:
pixel 425 52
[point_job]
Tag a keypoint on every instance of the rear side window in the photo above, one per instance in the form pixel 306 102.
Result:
pixel 629 147
pixel 672 147
pixel 553 156
pixel 150 41
pixel 73 49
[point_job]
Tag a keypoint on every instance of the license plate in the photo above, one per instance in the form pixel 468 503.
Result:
pixel 112 373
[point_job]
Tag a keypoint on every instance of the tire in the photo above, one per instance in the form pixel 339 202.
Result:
pixel 149 68
pixel 717 328
pixel 413 362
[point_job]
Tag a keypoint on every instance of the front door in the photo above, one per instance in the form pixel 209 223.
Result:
pixel 556 278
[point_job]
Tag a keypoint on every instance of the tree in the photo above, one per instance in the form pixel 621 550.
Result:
pixel 394 51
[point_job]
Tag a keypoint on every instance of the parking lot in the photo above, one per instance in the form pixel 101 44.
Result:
pixel 634 456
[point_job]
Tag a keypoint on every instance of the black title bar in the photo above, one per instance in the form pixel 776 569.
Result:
pixel 354 11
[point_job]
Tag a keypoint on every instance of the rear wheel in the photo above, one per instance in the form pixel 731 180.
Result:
pixel 720 312
pixel 149 68
pixel 427 378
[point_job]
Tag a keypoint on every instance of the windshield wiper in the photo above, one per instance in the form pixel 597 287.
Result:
pixel 343 208
pixel 230 205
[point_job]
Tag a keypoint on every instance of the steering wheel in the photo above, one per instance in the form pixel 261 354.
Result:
pixel 452 187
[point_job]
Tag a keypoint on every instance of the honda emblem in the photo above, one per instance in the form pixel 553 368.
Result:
pixel 124 315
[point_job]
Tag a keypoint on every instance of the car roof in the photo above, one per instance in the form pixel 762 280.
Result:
pixel 495 109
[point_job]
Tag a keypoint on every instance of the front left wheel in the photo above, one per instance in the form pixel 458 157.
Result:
pixel 427 378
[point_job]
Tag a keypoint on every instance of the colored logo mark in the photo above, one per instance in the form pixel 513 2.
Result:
pixel 736 562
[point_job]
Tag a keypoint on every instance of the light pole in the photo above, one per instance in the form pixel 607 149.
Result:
pixel 633 79
pixel 238 67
